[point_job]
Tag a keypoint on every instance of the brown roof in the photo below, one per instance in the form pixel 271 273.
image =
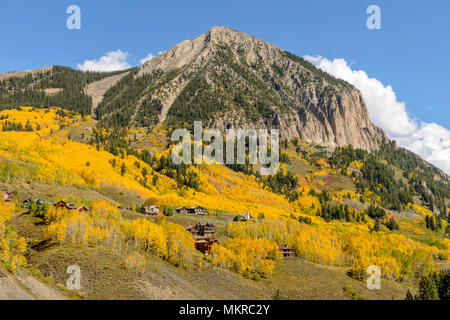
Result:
pixel 285 247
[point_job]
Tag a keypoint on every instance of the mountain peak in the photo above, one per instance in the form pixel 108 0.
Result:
pixel 228 78
pixel 204 47
pixel 222 32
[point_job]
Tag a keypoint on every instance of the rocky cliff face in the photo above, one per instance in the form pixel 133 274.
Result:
pixel 229 79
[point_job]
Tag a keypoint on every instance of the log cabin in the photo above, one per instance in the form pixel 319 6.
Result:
pixel 197 210
pixel 204 244
pixel 202 229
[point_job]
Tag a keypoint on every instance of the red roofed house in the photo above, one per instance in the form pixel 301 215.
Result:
pixel 61 204
pixel 286 251
pixel 204 244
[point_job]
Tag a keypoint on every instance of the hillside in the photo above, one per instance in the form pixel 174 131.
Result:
pixel 91 153
pixel 41 157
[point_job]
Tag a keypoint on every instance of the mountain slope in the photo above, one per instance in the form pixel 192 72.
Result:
pixel 229 79
pixel 326 217
pixel 49 87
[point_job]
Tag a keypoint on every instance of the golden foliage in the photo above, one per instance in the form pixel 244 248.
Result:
pixel 105 226
pixel 345 244
pixel 253 258
pixel 12 247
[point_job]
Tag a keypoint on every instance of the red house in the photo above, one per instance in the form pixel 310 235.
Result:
pixel 286 251
pixel 69 206
pixel 204 244
pixel 61 204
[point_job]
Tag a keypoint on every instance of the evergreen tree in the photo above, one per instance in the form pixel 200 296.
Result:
pixel 428 289
pixel 409 295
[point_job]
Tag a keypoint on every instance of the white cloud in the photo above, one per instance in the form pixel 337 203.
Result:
pixel 150 56
pixel 112 61
pixel 429 140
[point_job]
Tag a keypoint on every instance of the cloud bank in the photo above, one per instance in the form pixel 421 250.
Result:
pixel 112 61
pixel 429 140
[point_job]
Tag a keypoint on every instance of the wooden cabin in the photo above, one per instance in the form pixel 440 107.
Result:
pixel 197 210
pixel 181 210
pixel 69 206
pixel 206 228
pixel 202 229
pixel 286 251
pixel 204 244
pixel 61 205
pixel 150 210
pixel 193 231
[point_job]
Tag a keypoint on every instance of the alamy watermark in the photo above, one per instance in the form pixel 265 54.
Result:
pixel 374 278
pixel 74 20
pixel 374 20
pixel 74 281
pixel 235 143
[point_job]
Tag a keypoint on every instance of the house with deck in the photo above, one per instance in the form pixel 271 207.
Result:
pixel 61 205
pixel 202 229
pixel 286 251
pixel 196 210
pixel 204 244
pixel 69 206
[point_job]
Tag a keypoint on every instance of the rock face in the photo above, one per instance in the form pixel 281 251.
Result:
pixel 230 79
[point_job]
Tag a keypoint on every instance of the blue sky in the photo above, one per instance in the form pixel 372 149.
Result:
pixel 410 52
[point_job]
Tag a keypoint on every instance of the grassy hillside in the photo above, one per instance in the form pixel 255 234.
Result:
pixel 322 204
